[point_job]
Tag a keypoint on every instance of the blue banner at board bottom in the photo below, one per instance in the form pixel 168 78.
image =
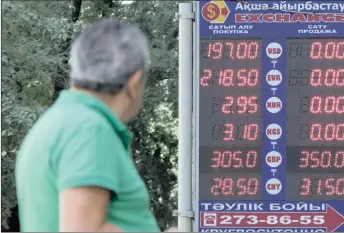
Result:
pixel 267 216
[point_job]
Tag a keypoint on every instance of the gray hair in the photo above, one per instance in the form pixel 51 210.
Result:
pixel 106 55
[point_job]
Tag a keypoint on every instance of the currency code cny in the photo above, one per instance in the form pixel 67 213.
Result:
pixel 230 116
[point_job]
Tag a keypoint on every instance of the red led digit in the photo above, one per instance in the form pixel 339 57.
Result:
pixel 237 159
pixel 228 132
pixel 339 159
pixel 315 106
pixel 242 77
pixel 252 103
pixel 329 187
pixel 340 50
pixel 251 159
pixel 340 187
pixel 330 77
pixel 316 76
pixel 252 77
pixel 217 186
pixel 340 104
pixel 340 77
pixel 227 186
pixel 253 48
pixel 206 77
pixel 230 46
pixel 215 50
pixel 242 104
pixel 216 158
pixel 226 78
pixel 316 49
pixel 242 186
pixel 226 159
pixel 314 159
pixel 330 132
pixel 315 134
pixel 304 159
pixel 330 104
pixel 227 106
pixel 340 132
pixel 305 187
pixel 252 186
pixel 325 160
pixel 319 187
pixel 241 50
pixel 251 132
pixel 330 50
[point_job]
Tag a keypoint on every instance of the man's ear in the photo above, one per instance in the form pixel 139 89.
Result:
pixel 134 84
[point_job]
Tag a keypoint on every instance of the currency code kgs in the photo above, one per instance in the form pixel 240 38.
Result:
pixel 230 119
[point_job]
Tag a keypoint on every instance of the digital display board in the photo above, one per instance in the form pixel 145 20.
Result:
pixel 230 117
pixel 270 117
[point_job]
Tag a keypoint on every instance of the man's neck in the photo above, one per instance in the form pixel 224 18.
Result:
pixel 116 103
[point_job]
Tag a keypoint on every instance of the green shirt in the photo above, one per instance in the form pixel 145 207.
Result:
pixel 79 142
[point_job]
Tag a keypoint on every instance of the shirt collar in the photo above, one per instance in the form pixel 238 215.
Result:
pixel 67 96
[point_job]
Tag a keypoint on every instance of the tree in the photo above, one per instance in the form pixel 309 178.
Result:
pixel 37 36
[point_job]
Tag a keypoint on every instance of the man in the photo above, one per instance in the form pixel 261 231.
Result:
pixel 74 171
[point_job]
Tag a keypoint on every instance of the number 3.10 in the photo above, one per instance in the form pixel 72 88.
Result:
pixel 250 132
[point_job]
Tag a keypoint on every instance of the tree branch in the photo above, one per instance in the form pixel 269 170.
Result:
pixel 76 9
pixel 58 84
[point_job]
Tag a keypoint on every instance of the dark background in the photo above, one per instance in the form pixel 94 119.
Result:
pixel 299 92
pixel 212 120
pixel 294 183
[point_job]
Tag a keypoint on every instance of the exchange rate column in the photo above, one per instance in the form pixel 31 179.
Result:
pixel 230 120
pixel 315 141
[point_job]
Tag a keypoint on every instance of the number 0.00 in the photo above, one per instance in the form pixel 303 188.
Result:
pixel 330 50
pixel 328 132
pixel 328 105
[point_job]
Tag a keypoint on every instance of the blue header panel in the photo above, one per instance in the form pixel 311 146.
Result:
pixel 271 116
pixel 271 18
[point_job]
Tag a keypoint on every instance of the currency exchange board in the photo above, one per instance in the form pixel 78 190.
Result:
pixel 269 103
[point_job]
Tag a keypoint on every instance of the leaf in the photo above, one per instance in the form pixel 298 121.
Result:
pixel 35 41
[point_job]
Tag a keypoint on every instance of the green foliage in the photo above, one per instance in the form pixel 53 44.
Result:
pixel 36 38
